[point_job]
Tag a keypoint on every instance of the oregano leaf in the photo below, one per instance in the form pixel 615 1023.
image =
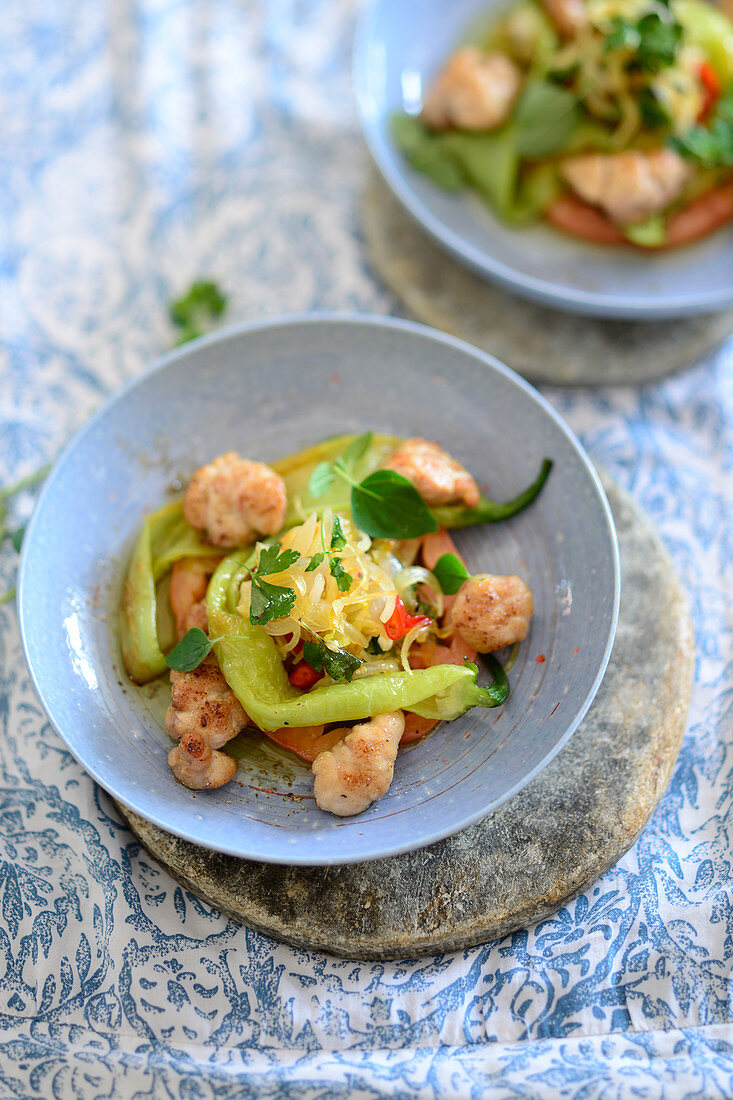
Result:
pixel 193 647
pixel 386 505
pixel 450 573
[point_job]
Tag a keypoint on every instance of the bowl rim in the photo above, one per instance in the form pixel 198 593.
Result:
pixel 222 336
pixel 567 299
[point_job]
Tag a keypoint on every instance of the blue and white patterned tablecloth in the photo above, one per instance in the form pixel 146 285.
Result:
pixel 147 142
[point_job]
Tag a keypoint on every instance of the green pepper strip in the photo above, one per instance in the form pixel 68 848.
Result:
pixel 165 537
pixel 489 511
pixel 252 667
pixel 296 471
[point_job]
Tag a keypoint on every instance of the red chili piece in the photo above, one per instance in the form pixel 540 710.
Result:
pixel 711 85
pixel 400 621
pixel 303 676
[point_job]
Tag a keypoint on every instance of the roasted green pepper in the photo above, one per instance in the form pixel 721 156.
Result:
pixel 165 537
pixel 253 669
pixel 490 511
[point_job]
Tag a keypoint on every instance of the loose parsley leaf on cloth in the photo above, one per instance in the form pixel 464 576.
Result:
pixel 190 651
pixel 194 311
pixel 336 663
pixel 386 505
pixel 17 537
pixel 544 119
pixel 451 573
pixel 269 601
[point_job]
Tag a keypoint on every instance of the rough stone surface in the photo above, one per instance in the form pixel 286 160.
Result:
pixel 542 344
pixel 546 845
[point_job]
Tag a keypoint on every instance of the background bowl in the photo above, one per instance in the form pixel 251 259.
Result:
pixel 399 48
pixel 267 389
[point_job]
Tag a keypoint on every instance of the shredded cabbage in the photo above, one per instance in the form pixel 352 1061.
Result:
pixel 350 619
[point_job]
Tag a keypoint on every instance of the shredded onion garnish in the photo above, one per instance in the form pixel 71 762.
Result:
pixel 351 614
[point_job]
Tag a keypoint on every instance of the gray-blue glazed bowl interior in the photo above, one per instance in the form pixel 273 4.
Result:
pixel 266 390
pixel 399 48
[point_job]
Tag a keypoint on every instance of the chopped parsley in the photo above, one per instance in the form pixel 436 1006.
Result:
pixel 343 579
pixel 194 311
pixel 712 145
pixel 651 42
pixel 338 538
pixel 336 663
pixel 271 601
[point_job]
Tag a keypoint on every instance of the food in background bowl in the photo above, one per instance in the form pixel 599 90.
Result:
pixel 611 119
pixel 360 611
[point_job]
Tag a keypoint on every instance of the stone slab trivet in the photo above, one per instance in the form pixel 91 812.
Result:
pixel 542 344
pixel 538 851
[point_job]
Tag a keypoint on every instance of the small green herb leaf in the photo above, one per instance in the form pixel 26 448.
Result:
pixel 711 146
pixel 338 538
pixel 357 449
pixel 653 113
pixel 314 562
pixel 388 506
pixel 545 117
pixel 451 573
pixel 374 647
pixel 17 539
pixel 194 311
pixel 321 479
pixel 428 153
pixel 269 601
pixel 273 561
pixel 336 663
pixel 193 647
pixel 343 579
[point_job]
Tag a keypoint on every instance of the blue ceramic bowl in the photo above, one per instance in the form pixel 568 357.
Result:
pixel 268 389
pixel 399 48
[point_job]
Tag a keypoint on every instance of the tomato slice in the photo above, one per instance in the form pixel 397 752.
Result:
pixel 701 216
pixel 401 621
pixel 416 727
pixel 711 87
pixel 306 741
pixel 304 677
pixel 576 217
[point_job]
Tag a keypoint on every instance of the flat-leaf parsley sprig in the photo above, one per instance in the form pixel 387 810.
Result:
pixel 193 313
pixel 268 601
pixel 271 601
